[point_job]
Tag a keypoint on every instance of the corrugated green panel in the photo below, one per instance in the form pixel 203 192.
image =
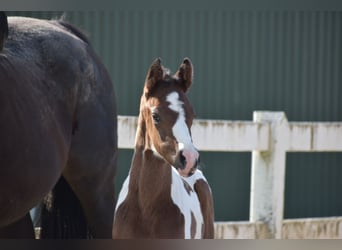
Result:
pixel 244 61
pixel 313 185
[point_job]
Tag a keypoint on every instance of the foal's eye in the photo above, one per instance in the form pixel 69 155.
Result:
pixel 156 117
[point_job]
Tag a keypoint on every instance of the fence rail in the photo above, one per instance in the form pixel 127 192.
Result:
pixel 269 136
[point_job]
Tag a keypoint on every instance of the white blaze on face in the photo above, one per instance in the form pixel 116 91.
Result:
pixel 180 129
pixel 181 132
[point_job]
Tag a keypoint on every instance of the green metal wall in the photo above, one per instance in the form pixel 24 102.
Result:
pixel 244 60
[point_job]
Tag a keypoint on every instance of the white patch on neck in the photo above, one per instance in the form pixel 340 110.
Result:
pixel 123 193
pixel 180 129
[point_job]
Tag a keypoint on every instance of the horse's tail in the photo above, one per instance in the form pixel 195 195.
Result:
pixel 62 216
pixel 3 29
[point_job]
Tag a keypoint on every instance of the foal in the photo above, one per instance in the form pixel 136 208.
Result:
pixel 165 195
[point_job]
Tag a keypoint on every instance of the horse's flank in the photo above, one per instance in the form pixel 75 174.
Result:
pixel 58 118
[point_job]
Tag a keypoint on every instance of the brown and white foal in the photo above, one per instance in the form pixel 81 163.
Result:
pixel 165 195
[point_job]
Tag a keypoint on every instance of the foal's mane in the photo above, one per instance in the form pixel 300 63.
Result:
pixel 166 73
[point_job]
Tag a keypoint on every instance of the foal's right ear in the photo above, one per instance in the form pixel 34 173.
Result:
pixel 154 74
pixel 185 74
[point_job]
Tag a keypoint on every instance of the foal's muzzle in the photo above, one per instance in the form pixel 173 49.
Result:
pixel 187 162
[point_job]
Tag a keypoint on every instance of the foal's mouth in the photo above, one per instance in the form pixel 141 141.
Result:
pixel 183 172
pixel 192 171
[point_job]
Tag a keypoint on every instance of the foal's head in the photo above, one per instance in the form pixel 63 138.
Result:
pixel 168 116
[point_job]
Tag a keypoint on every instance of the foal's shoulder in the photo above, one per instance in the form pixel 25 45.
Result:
pixel 205 197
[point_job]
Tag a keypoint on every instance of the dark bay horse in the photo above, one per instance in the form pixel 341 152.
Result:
pixel 165 195
pixel 58 130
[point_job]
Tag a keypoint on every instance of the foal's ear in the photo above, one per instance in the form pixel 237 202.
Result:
pixel 185 74
pixel 154 74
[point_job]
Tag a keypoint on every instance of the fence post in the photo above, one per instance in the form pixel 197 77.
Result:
pixel 268 174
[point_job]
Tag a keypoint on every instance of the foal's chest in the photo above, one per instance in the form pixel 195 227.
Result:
pixel 186 199
pixel 182 195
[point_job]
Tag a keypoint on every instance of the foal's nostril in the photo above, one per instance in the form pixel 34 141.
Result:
pixel 182 159
pixel 197 163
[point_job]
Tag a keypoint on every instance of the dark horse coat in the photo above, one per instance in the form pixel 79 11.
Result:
pixel 57 118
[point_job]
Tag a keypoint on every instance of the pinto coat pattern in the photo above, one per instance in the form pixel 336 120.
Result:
pixel 165 195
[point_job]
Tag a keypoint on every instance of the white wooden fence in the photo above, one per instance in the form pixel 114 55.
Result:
pixel 269 136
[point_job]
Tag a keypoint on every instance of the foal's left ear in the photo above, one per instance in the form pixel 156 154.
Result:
pixel 185 74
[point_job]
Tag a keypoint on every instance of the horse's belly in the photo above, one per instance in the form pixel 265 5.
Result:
pixel 21 191
pixel 29 170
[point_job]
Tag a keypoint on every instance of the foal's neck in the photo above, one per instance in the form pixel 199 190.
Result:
pixel 150 174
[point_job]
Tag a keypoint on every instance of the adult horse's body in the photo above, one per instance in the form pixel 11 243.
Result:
pixel 57 118
pixel 164 195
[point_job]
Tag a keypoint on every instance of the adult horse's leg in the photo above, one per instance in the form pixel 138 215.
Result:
pixel 23 229
pixel 62 216
pixel 91 173
pixel 98 202
pixel 92 162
